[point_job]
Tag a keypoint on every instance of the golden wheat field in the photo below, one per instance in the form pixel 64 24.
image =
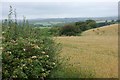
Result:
pixel 94 54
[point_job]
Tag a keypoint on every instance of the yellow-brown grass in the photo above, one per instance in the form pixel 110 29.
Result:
pixel 111 30
pixel 91 55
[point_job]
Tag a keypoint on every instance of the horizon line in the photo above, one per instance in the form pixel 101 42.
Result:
pixel 63 17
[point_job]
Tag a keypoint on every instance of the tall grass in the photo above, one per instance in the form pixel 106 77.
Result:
pixel 90 55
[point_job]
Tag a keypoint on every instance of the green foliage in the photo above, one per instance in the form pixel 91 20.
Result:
pixel 91 24
pixel 73 29
pixel 106 23
pixel 88 24
pixel 69 30
pixel 81 25
pixel 55 31
pixel 27 53
pixel 76 28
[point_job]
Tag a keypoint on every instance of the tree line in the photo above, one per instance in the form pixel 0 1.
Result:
pixel 77 28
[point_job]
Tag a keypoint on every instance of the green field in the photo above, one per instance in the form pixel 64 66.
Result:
pixel 94 54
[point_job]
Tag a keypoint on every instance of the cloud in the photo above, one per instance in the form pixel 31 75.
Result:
pixel 62 9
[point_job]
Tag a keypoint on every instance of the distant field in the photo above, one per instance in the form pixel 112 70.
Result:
pixel 94 54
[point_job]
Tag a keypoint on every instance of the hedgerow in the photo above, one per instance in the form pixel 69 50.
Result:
pixel 26 53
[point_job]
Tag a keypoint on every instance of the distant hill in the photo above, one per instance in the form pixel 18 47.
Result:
pixel 72 19
pixel 62 21
pixel 54 21
pixel 110 30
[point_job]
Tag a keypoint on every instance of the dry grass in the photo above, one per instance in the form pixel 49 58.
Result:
pixel 91 55
pixel 111 30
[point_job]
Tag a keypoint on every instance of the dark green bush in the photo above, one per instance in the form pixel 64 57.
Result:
pixel 88 24
pixel 69 30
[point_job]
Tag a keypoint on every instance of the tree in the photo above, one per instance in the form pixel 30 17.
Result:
pixel 91 24
pixel 81 25
pixel 88 24
pixel 69 30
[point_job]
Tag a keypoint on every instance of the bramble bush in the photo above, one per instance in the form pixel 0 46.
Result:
pixel 26 53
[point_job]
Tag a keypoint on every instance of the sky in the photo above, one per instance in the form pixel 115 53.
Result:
pixel 61 8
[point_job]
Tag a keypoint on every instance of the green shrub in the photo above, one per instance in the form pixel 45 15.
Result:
pixel 69 30
pixel 88 24
pixel 26 52
pixel 54 31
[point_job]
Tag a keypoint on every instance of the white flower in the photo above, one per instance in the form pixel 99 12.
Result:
pixel 34 57
pixel 24 49
pixel 37 47
pixel 23 65
pixel 15 76
pixel 1 48
pixel 43 52
pixel 9 52
pixel 47 56
pixel 13 41
pixel 43 69
pixel 53 63
pixel 3 32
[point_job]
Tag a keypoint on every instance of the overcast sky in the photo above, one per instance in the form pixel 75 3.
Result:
pixel 61 8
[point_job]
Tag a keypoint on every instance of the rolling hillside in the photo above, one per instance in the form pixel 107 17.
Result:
pixel 90 55
pixel 110 30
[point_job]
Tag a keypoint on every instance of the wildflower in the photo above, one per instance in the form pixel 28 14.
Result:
pixel 37 47
pixel 1 48
pixel 24 49
pixel 43 52
pixel 43 69
pixel 13 41
pixel 53 63
pixel 3 32
pixel 9 52
pixel 23 65
pixel 15 76
pixel 47 56
pixel 34 57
